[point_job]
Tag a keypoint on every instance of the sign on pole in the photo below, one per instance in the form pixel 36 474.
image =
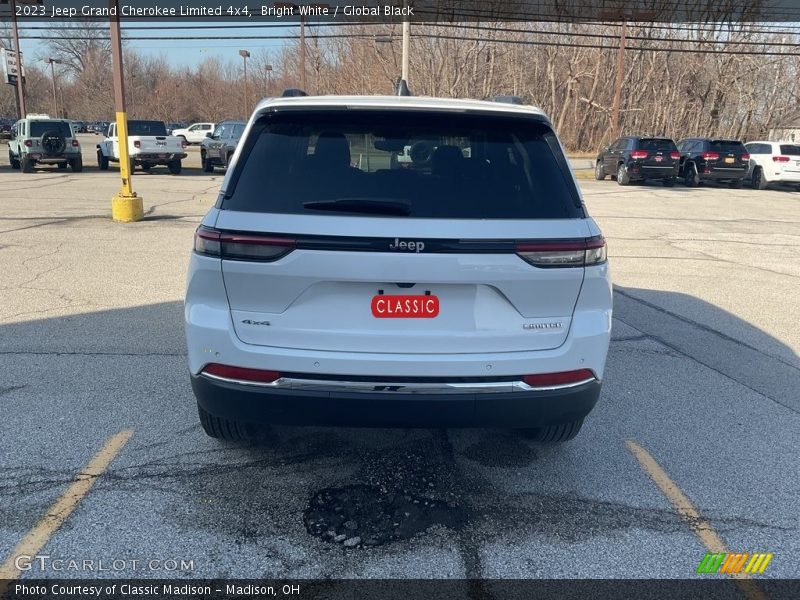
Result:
pixel 10 65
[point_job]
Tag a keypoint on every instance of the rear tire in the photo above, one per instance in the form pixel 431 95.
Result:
pixel 26 164
pixel 758 181
pixel 222 429
pixel 690 175
pixel 622 175
pixel 14 162
pixel 599 171
pixel 102 161
pixel 553 434
pixel 175 167
pixel 76 164
pixel 208 166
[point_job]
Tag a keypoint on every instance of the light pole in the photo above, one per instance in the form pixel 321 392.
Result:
pixel 15 34
pixel 245 54
pixel 406 46
pixel 268 81
pixel 126 206
pixel 52 62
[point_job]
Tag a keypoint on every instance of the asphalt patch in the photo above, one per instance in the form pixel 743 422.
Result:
pixel 358 516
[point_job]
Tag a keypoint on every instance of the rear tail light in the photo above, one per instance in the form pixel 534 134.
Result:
pixel 639 154
pixel 241 373
pixel 544 380
pixel 745 157
pixel 237 246
pixel 711 155
pixel 75 143
pixel 137 144
pixel 675 155
pixel 780 158
pixel 569 253
pixel 28 143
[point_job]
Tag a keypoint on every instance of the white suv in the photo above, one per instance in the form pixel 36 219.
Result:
pixel 773 162
pixel 335 284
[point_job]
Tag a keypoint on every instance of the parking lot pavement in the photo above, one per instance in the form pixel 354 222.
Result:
pixel 703 376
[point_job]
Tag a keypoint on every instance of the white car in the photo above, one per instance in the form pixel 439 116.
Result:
pixel 460 291
pixel 194 133
pixel 773 162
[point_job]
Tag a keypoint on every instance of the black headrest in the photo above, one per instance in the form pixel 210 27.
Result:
pixel 332 149
pixel 447 160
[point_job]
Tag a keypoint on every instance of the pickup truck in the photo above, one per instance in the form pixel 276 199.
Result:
pixel 148 145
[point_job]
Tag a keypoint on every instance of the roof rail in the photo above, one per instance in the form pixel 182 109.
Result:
pixel 506 99
pixel 293 92
pixel 402 88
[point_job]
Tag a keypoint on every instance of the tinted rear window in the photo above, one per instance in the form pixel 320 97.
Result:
pixel 790 150
pixel 656 144
pixel 727 146
pixel 146 128
pixel 39 128
pixel 434 165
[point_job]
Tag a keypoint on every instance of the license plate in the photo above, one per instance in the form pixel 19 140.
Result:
pixel 659 158
pixel 385 306
pixel 162 156
pixel 729 160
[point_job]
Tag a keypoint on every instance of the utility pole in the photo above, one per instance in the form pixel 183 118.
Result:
pixel 51 62
pixel 245 54
pixel 125 206
pixel 302 53
pixel 268 81
pixel 406 45
pixel 618 82
pixel 19 87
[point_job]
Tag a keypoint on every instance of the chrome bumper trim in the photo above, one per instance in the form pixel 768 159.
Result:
pixel 320 385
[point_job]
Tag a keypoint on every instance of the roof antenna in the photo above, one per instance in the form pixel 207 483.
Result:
pixel 402 88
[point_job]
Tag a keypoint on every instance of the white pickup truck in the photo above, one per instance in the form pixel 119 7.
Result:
pixel 148 145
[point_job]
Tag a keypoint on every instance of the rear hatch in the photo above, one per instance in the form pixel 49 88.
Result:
pixel 150 137
pixel 658 153
pixel 789 159
pixel 727 156
pixel 330 242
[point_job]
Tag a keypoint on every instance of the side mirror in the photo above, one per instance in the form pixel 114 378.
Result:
pixel 208 134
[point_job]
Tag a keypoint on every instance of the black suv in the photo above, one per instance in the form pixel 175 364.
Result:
pixel 636 158
pixel 218 147
pixel 706 159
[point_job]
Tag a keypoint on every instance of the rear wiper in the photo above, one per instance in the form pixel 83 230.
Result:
pixel 362 205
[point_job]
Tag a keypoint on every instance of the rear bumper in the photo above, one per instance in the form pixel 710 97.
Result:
pixel 637 171
pixel 724 174
pixel 159 157
pixel 515 409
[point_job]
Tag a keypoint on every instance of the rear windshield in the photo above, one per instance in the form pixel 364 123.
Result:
pixel 39 128
pixel 405 164
pixel 657 144
pixel 727 146
pixel 790 150
pixel 146 128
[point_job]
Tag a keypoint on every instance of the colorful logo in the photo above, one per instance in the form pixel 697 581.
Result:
pixel 723 562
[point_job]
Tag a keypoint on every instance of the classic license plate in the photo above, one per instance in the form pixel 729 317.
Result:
pixel 162 156
pixel 386 306
pixel 729 160
pixel 659 158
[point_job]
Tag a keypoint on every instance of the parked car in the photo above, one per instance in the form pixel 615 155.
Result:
pixel 708 159
pixel 194 133
pixel 148 146
pixel 218 148
pixel 773 162
pixel 470 290
pixel 637 158
pixel 40 139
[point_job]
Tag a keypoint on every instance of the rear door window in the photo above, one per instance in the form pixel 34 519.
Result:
pixel 790 149
pixel 147 128
pixel 726 146
pixel 39 128
pixel 657 144
pixel 413 164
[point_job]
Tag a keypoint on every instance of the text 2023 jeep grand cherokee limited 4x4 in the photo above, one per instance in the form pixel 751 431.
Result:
pixel 333 284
